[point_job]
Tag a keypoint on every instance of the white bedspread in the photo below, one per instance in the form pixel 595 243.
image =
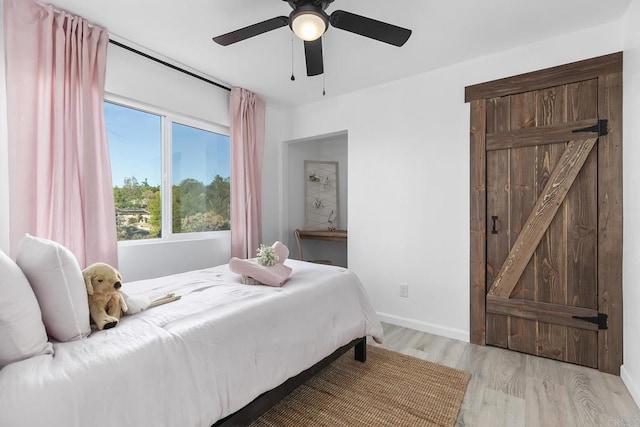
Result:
pixel 193 361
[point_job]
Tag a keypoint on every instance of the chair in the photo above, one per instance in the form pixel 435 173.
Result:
pixel 300 255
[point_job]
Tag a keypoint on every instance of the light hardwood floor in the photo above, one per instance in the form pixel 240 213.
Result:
pixel 513 389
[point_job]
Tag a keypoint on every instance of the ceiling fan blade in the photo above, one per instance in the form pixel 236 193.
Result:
pixel 313 54
pixel 251 30
pixel 371 28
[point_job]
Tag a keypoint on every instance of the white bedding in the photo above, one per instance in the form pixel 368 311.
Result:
pixel 193 361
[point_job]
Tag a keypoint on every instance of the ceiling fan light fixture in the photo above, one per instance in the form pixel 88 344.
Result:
pixel 309 24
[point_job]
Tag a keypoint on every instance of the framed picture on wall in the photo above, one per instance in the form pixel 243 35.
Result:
pixel 320 195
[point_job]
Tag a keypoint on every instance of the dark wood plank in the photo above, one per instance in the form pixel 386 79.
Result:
pixel 334 236
pixel 523 196
pixel 610 223
pixel 582 214
pixel 546 312
pixel 546 207
pixel 498 185
pixel 550 255
pixel 551 106
pixel 554 76
pixel 477 275
pixel 498 244
pixel 582 100
pixel 522 111
pixel 497 330
pixel 551 341
pixel 546 134
pixel 582 209
pixel 497 204
pixel 550 260
pixel 522 332
pixel 582 347
pixel 490 114
pixel 498 115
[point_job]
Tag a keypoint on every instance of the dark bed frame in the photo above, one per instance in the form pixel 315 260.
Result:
pixel 265 401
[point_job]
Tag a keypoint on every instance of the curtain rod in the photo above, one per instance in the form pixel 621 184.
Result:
pixel 166 64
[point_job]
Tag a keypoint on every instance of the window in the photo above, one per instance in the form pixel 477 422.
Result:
pixel 200 161
pixel 135 150
pixel 193 156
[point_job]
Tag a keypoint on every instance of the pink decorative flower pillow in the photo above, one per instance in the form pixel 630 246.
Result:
pixel 274 275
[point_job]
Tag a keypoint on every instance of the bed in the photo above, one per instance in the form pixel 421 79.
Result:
pixel 197 361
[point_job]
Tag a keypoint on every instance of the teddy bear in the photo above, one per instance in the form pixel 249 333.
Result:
pixel 103 284
pixel 107 302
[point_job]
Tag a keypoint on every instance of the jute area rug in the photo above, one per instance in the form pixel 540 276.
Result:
pixel 390 389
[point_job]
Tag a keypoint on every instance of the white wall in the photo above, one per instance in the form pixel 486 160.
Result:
pixel 409 177
pixel 630 371
pixel 272 173
pixel 147 260
pixel 4 147
pixel 133 76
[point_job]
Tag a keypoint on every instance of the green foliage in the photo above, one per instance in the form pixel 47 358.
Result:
pixel 196 207
pixel 267 256
pixel 132 233
pixel 175 211
pixel 207 221
pixel 155 211
pixel 192 197
pixel 219 196
pixel 133 194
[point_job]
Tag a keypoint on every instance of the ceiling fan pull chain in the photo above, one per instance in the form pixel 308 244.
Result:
pixel 292 76
pixel 324 81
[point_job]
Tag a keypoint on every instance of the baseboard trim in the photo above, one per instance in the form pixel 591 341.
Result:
pixel 633 388
pixel 456 334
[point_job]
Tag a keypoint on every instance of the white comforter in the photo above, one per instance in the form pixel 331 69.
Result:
pixel 193 361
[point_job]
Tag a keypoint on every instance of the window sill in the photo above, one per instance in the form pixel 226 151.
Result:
pixel 183 237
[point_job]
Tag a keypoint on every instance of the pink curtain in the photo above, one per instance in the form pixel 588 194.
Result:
pixel 247 147
pixel 60 178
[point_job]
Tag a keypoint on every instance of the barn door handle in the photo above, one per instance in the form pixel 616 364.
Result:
pixel 493 226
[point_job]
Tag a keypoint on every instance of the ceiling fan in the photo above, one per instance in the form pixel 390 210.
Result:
pixel 309 21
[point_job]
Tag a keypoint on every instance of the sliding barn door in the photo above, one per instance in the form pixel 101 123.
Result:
pixel 547 175
pixel 543 224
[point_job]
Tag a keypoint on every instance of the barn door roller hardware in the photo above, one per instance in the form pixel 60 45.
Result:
pixel 601 127
pixel 600 320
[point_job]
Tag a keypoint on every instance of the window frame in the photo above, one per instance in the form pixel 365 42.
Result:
pixel 167 118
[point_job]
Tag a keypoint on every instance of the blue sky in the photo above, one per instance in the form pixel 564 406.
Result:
pixel 135 148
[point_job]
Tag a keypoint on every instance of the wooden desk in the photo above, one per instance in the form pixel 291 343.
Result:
pixel 334 236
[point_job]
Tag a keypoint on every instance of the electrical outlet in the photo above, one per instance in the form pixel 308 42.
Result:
pixel 404 290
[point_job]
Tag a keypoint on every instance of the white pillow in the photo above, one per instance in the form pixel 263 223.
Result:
pixel 22 333
pixel 56 279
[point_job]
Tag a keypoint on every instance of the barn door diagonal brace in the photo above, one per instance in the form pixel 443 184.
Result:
pixel 602 127
pixel 545 208
pixel 600 320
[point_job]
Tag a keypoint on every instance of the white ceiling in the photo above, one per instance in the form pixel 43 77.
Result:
pixel 444 32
